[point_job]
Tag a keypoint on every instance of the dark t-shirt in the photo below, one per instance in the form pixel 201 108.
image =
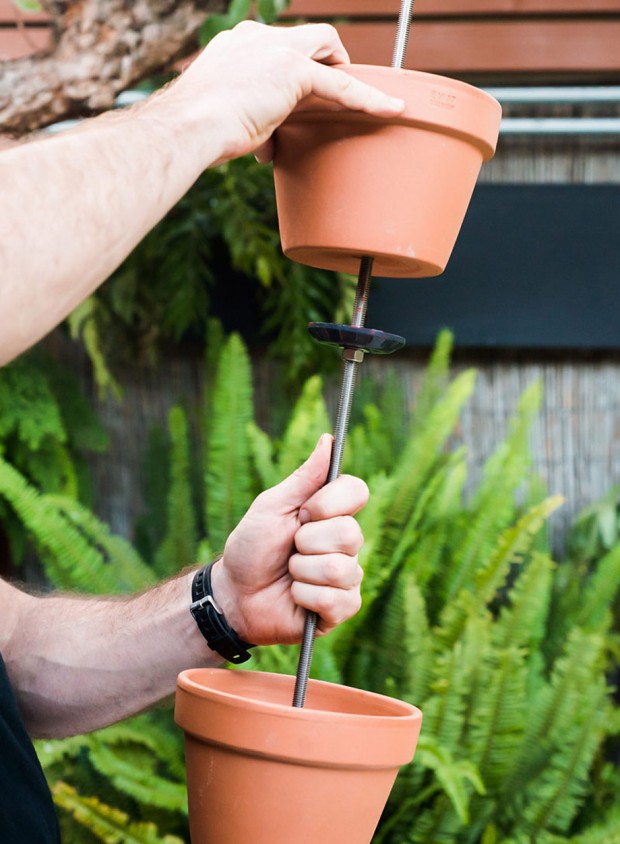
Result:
pixel 27 814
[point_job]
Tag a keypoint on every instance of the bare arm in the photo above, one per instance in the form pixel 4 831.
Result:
pixel 73 206
pixel 80 663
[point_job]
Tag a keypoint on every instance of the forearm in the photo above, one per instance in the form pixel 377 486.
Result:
pixel 104 186
pixel 73 206
pixel 78 663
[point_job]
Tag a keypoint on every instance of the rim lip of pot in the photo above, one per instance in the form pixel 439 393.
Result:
pixel 300 735
pixel 437 103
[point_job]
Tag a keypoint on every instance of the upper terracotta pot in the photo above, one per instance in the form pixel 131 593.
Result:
pixel 262 771
pixel 348 184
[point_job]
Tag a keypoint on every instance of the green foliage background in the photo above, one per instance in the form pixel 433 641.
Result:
pixel 465 614
pixel 510 655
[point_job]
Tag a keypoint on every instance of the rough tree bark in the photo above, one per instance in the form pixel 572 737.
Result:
pixel 100 48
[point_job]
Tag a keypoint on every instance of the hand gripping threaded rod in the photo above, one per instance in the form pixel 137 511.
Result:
pixel 348 381
pixel 340 430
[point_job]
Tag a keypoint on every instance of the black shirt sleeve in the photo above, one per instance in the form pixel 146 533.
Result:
pixel 27 812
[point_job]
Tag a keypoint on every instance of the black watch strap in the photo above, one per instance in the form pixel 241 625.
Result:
pixel 211 621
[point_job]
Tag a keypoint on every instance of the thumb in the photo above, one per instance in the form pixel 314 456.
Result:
pixel 295 490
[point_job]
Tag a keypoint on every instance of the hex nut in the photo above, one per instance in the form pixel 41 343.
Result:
pixel 353 355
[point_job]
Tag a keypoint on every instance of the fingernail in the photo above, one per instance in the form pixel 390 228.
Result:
pixel 320 441
pixel 396 103
pixel 304 516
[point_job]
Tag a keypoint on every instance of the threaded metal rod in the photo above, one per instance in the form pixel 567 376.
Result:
pixel 361 292
pixel 402 33
pixel 340 431
pixel 348 382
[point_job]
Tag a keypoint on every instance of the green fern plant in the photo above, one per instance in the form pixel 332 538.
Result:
pixel 107 823
pixel 216 254
pixel 464 615
pixel 458 604
pixel 46 430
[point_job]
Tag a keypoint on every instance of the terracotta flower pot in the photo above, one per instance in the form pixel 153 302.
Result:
pixel 261 771
pixel 349 185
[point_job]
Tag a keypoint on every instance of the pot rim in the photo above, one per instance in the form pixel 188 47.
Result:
pixel 401 709
pixel 307 736
pixel 432 102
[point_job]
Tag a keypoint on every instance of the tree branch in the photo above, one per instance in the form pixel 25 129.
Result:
pixel 101 47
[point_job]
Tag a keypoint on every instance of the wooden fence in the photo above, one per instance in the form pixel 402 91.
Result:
pixel 21 33
pixel 528 38
pixel 556 39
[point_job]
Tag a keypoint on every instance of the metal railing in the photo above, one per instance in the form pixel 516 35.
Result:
pixel 536 95
pixel 575 95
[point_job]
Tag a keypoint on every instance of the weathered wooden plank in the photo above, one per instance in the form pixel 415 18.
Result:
pixel 454 8
pixel 493 47
pixel 10 13
pixel 524 36
pixel 326 9
pixel 18 43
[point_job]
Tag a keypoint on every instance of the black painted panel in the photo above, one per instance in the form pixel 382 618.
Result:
pixel 535 266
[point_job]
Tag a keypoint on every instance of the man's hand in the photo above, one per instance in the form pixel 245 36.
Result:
pixel 248 80
pixel 295 549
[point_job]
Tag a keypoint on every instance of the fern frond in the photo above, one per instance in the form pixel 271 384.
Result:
pixel 514 542
pixel 178 548
pixel 55 470
pixel 435 380
pixel 278 659
pixel 369 446
pixel 78 550
pixel 110 825
pixel 606 832
pixel 84 324
pixel 131 769
pixel 121 560
pixel 417 644
pixel 563 783
pixel 53 751
pixel 439 823
pixel 400 494
pixel 522 620
pixel 513 455
pixel 418 458
pixel 426 503
pixel 261 453
pixel 324 663
pixel 309 419
pixel 28 407
pixel 496 727
pixel 573 686
pixel 154 731
pixel 228 477
pixel 444 709
pixel 600 592
pixel 493 507
pixel 454 775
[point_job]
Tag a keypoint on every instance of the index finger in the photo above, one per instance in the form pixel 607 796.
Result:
pixel 345 496
pixel 318 41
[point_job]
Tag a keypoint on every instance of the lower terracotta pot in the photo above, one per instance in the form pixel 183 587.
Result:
pixel 348 184
pixel 260 771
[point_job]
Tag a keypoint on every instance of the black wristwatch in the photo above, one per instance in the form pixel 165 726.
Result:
pixel 211 621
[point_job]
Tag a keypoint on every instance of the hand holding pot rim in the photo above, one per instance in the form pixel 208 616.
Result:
pixel 247 81
pixel 295 549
